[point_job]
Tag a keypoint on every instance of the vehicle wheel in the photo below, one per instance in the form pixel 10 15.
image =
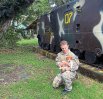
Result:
pixel 90 57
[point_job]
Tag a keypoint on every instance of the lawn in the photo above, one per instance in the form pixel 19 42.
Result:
pixel 25 74
pixel 30 42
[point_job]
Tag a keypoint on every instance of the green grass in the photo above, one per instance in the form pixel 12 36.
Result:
pixel 41 72
pixel 28 42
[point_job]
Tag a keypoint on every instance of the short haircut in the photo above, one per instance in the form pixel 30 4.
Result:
pixel 63 43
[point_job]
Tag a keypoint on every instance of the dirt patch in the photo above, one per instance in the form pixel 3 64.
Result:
pixel 11 73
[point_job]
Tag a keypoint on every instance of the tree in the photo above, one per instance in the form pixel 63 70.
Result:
pixel 37 9
pixel 12 11
pixel 10 8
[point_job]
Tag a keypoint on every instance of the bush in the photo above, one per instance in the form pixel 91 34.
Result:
pixel 9 39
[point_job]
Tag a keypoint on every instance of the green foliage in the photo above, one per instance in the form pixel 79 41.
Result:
pixel 9 38
pixel 9 8
pixel 30 42
pixel 36 9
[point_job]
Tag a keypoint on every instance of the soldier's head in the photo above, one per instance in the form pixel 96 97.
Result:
pixel 64 46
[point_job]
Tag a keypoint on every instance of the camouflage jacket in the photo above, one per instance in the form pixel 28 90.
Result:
pixel 62 57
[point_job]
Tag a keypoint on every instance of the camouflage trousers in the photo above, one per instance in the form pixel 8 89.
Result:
pixel 65 78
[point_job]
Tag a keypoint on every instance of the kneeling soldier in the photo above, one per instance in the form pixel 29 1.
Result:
pixel 68 64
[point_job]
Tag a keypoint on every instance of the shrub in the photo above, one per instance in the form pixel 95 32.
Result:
pixel 9 39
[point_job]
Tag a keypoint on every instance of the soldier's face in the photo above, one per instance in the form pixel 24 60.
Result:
pixel 65 48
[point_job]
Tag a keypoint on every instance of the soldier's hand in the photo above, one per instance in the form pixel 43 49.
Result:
pixel 65 63
pixel 61 64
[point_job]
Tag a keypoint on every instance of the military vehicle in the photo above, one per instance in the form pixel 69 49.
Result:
pixel 80 22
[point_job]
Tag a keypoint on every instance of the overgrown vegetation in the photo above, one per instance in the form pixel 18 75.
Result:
pixel 10 8
pixel 9 38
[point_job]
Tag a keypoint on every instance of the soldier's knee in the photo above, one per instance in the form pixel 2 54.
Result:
pixel 56 82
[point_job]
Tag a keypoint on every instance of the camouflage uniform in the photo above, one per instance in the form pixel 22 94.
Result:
pixel 68 75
